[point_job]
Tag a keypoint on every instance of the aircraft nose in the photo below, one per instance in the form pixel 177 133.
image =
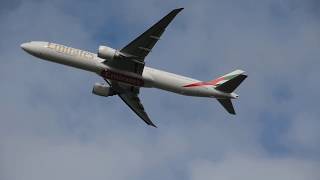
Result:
pixel 25 46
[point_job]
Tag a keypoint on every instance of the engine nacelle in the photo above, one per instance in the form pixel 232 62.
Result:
pixel 108 53
pixel 101 89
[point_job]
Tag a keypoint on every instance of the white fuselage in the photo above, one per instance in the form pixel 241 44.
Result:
pixel 91 62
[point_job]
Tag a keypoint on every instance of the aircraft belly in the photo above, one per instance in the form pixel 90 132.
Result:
pixel 174 83
pixel 198 91
pixel 122 77
pixel 77 62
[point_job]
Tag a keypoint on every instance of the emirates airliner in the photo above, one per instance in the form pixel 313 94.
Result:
pixel 124 70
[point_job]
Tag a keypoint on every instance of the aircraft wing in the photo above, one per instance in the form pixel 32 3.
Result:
pixel 129 95
pixel 142 45
pixel 135 52
pixel 133 101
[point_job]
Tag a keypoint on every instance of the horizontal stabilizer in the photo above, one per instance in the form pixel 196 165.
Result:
pixel 227 104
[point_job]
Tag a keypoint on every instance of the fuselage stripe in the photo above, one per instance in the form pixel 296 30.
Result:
pixel 111 75
pixel 209 83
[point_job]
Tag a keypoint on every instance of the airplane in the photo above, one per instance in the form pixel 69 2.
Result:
pixel 124 70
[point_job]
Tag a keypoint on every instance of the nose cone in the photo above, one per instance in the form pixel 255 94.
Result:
pixel 34 48
pixel 26 47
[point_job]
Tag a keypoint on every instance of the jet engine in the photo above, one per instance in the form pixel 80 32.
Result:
pixel 101 89
pixel 107 53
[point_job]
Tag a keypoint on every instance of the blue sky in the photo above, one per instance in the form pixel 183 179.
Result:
pixel 52 127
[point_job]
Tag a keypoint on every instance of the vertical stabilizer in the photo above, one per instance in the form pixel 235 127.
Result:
pixel 231 81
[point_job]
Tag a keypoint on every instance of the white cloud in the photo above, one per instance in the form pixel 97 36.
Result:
pixel 251 167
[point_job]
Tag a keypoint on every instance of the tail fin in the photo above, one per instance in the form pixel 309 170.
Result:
pixel 228 83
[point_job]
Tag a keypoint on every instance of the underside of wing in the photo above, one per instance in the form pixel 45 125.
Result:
pixel 133 55
pixel 142 45
pixel 133 101
pixel 129 95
